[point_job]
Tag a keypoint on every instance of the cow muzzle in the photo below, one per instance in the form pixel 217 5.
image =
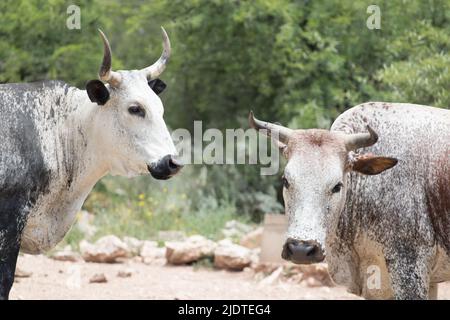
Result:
pixel 165 168
pixel 302 252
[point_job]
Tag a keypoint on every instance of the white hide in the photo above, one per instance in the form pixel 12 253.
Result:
pixel 85 141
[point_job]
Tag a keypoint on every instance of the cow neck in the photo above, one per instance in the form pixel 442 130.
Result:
pixel 82 156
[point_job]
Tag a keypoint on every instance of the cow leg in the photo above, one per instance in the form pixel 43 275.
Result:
pixel 8 260
pixel 409 272
pixel 11 226
pixel 433 291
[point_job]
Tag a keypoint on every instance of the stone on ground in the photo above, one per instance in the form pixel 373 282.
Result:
pixel 107 249
pixel 151 253
pixel 66 254
pixel 252 239
pixel 125 273
pixel 231 256
pixel 133 244
pixel 20 273
pixel 98 278
pixel 191 250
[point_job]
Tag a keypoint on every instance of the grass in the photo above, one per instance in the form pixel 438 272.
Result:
pixel 142 207
pixel 143 222
pixel 204 263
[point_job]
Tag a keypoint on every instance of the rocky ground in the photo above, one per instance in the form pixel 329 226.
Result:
pixel 182 268
pixel 52 279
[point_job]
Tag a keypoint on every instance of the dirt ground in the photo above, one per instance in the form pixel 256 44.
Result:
pixel 52 279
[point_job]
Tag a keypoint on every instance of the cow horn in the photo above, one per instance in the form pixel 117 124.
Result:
pixel 153 71
pixel 283 133
pixel 360 140
pixel 105 73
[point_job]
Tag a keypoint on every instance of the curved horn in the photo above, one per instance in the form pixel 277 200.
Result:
pixel 105 73
pixel 282 132
pixel 360 140
pixel 158 67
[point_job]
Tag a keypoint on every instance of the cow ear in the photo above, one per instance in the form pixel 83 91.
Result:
pixel 157 85
pixel 97 92
pixel 371 165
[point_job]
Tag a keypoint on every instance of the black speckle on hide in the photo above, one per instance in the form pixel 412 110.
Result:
pixel 438 199
pixel 24 174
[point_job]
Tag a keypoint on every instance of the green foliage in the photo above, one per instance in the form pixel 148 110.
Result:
pixel 300 63
pixel 421 75
pixel 204 263
pixel 35 43
pixel 145 207
pixel 73 238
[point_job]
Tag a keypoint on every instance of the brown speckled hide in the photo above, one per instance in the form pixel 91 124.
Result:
pixel 398 221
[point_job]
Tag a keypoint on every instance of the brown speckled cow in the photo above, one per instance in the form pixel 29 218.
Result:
pixel 384 233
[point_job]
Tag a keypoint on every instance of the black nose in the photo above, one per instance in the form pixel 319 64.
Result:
pixel 302 252
pixel 165 168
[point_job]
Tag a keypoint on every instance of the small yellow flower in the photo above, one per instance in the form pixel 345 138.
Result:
pixel 141 203
pixel 141 196
pixel 165 190
pixel 183 196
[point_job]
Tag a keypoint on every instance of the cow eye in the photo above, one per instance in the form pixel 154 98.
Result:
pixel 337 188
pixel 137 111
pixel 285 182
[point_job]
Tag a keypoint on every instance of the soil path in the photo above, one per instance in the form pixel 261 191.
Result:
pixel 68 280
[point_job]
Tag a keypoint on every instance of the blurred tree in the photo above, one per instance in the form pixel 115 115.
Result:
pixel 35 43
pixel 299 62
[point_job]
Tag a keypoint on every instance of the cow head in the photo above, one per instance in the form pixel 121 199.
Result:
pixel 129 122
pixel 315 182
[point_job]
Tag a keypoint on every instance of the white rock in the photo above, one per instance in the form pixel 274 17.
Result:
pixel 156 262
pixel 225 242
pixel 312 282
pixel 125 273
pixel 133 244
pixel 274 276
pixel 137 259
pixel 107 249
pixel 252 239
pixel 66 255
pixel 20 273
pixel 231 256
pixel 193 249
pixel 254 255
pixel 316 275
pixel 147 247
pixel 150 252
pixel 98 278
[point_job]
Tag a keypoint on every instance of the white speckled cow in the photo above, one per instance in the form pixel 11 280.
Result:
pixel 385 234
pixel 57 141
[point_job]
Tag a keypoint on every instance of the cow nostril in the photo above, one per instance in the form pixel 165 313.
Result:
pixel 302 252
pixel 290 248
pixel 174 164
pixel 287 251
pixel 311 251
pixel 165 168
